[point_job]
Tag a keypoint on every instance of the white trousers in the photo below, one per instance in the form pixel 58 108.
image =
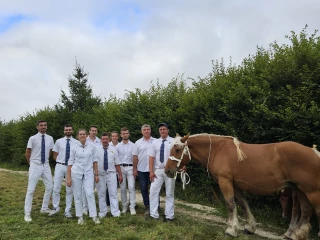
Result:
pixel 154 194
pixel 108 181
pixel 84 200
pixel 87 183
pixel 37 171
pixel 60 172
pixel 127 174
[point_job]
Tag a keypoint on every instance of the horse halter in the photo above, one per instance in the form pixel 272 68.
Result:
pixel 185 152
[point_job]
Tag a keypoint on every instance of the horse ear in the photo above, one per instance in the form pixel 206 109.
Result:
pixel 177 135
pixel 184 139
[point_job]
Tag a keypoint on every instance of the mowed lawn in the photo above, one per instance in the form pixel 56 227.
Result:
pixel 12 226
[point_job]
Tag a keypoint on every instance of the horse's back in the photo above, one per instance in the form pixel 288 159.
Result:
pixel 270 167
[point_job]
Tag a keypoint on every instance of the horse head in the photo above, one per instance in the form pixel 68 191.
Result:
pixel 179 156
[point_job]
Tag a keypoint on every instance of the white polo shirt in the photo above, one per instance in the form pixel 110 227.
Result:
pixel 112 145
pixel 35 143
pixel 96 141
pixel 60 148
pixel 82 158
pixel 113 159
pixel 154 151
pixel 125 152
pixel 140 150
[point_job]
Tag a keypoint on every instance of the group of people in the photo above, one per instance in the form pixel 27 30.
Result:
pixel 88 162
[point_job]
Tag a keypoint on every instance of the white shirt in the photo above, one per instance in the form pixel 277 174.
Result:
pixel 35 143
pixel 60 148
pixel 140 150
pixel 112 145
pixel 96 141
pixel 125 152
pixel 113 159
pixel 82 159
pixel 154 151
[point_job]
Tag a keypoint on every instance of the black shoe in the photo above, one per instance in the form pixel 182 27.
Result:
pixel 149 218
pixel 147 211
pixel 168 220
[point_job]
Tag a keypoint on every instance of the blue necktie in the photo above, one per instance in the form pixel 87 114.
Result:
pixel 162 151
pixel 43 150
pixel 105 162
pixel 67 151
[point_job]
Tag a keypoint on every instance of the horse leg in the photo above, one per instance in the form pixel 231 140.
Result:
pixel 227 190
pixel 303 227
pixel 295 214
pixel 314 199
pixel 250 225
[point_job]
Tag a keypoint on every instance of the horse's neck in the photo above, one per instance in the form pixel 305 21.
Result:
pixel 205 147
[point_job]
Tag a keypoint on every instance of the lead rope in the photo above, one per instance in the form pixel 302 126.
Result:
pixel 209 157
pixel 184 177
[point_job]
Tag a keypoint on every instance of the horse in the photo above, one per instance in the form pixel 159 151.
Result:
pixel 259 169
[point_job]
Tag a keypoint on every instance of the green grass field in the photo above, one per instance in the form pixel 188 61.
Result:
pixel 189 222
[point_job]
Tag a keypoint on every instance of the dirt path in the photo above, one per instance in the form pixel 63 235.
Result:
pixel 197 211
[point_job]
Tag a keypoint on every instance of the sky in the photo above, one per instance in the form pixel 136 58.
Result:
pixel 126 45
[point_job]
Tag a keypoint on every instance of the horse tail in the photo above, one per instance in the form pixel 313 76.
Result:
pixel 240 153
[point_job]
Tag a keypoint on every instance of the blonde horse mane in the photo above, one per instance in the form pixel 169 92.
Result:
pixel 240 153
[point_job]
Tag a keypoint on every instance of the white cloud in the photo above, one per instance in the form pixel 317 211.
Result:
pixel 123 49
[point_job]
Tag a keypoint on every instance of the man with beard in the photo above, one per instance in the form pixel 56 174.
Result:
pixel 37 154
pixel 125 149
pixel 61 154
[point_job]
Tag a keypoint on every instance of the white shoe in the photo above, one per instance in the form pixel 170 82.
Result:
pixel 53 212
pixel 124 210
pixel 133 211
pixel 45 210
pixel 85 211
pixel 80 221
pixel 96 220
pixel 27 217
pixel 68 214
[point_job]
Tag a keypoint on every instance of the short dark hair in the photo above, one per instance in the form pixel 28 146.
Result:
pixel 68 125
pixel 105 134
pixel 41 121
pixel 93 126
pixel 124 129
pixel 82 129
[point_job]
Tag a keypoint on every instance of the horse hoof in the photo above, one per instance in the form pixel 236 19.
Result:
pixel 247 232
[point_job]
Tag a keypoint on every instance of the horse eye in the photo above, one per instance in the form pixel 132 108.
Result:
pixel 177 150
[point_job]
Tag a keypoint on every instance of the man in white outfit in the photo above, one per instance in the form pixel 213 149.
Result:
pixel 108 167
pixel 61 154
pixel 141 163
pixel 37 154
pixel 125 148
pixel 93 139
pixel 158 153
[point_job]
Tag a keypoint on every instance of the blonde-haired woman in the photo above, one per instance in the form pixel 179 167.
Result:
pixel 83 171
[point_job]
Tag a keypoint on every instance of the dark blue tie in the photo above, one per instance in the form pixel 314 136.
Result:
pixel 67 151
pixel 105 162
pixel 43 150
pixel 162 151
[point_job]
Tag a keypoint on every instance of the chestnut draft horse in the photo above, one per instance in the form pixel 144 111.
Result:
pixel 260 169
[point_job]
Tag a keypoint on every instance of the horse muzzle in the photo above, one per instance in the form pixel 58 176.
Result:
pixel 171 172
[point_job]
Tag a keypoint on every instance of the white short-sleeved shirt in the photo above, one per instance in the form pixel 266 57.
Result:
pixel 140 150
pixel 60 148
pixel 112 145
pixel 113 159
pixel 35 143
pixel 125 152
pixel 154 151
pixel 82 158
pixel 97 141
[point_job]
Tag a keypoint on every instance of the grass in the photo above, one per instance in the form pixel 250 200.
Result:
pixel 12 226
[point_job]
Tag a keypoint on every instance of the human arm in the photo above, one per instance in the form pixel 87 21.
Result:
pixel 69 176
pixel 95 170
pixel 55 155
pixel 119 173
pixel 151 169
pixel 135 164
pixel 28 155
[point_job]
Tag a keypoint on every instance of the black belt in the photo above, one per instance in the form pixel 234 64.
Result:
pixel 126 165
pixel 61 163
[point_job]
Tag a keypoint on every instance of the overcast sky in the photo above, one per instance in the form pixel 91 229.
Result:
pixel 126 44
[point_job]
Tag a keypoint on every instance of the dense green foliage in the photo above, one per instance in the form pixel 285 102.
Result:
pixel 272 96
